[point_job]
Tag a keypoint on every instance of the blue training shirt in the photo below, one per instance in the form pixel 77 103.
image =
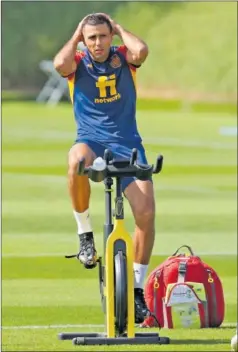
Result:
pixel 104 98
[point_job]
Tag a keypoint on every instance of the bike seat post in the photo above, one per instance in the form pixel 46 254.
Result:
pixel 108 226
pixel 119 210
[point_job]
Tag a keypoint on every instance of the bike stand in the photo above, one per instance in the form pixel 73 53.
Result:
pixel 102 339
pixel 116 282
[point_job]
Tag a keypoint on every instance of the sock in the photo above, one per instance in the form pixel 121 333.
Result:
pixel 83 222
pixel 140 271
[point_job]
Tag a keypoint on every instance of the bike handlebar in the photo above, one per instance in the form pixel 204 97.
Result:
pixel 120 168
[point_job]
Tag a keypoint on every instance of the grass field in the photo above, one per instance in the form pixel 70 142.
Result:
pixel 43 293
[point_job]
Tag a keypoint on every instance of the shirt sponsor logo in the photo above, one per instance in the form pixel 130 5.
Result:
pixel 107 100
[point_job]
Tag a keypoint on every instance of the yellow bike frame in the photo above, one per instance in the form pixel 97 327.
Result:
pixel 119 233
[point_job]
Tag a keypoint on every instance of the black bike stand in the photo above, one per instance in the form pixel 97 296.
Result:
pixel 102 339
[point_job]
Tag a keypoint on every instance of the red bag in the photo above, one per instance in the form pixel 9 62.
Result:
pixel 184 292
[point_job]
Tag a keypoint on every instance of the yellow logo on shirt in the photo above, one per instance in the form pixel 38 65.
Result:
pixel 107 89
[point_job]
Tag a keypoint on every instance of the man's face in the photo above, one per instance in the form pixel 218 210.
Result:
pixel 98 40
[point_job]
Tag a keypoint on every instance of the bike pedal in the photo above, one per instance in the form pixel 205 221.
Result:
pixel 90 266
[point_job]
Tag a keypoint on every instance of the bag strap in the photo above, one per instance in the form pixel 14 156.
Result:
pixel 184 246
pixel 182 272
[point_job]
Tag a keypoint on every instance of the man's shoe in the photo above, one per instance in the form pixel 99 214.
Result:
pixel 141 310
pixel 87 253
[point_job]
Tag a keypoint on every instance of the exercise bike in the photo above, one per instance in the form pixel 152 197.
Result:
pixel 116 279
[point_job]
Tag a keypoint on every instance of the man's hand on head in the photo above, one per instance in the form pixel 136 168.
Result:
pixel 114 24
pixel 79 30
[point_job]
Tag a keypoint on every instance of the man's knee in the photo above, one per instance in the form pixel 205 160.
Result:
pixel 145 212
pixel 77 153
pixel 141 198
pixel 73 164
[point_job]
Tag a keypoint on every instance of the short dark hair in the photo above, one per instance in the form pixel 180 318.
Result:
pixel 95 19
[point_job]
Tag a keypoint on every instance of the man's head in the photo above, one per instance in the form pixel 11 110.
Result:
pixel 98 33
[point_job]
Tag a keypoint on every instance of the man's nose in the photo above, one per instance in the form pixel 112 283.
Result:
pixel 98 41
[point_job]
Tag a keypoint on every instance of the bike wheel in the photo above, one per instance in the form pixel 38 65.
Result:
pixel 120 273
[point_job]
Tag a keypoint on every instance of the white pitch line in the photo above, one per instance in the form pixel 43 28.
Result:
pixel 228 131
pixel 22 327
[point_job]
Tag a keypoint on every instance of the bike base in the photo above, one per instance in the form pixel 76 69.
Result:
pixel 102 339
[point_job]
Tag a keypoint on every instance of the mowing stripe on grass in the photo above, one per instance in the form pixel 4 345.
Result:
pixel 171 141
pixel 29 255
pixel 55 179
pixel 22 327
pixel 63 326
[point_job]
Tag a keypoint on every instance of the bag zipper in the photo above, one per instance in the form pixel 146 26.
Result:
pixel 214 298
pixel 156 286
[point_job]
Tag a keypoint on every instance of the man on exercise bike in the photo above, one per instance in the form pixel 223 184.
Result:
pixel 102 88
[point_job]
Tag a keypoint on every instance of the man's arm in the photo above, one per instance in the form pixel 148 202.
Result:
pixel 137 50
pixel 64 61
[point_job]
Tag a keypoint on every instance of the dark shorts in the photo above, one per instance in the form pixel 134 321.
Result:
pixel 119 152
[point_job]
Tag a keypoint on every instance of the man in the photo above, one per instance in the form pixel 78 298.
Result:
pixel 102 89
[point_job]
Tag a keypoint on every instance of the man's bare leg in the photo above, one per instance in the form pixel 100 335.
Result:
pixel 79 190
pixel 140 195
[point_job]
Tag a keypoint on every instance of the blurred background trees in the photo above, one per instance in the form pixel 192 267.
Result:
pixel 193 46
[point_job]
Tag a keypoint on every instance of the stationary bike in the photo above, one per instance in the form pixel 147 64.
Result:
pixel 116 279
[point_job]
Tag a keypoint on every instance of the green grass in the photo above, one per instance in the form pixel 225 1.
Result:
pixel 196 205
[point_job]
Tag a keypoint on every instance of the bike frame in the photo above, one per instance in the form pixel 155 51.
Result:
pixel 116 237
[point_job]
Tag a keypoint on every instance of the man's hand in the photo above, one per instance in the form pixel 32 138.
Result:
pixel 79 33
pixel 64 61
pixel 113 23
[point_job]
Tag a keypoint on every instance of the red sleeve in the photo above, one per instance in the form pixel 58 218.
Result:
pixel 77 58
pixel 123 50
